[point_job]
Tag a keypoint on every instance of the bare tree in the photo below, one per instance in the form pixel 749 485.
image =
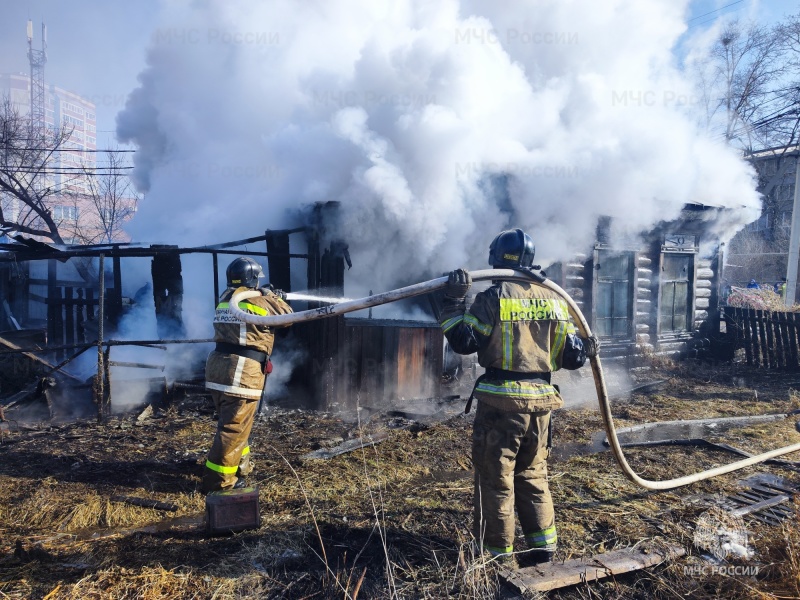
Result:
pixel 28 156
pixel 748 66
pixel 739 81
pixel 109 201
pixel 783 125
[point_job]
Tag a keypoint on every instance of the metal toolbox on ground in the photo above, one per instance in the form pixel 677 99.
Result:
pixel 232 510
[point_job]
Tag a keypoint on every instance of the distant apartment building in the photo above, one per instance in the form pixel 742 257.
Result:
pixel 80 218
pixel 61 108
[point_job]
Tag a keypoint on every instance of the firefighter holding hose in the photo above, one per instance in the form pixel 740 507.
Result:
pixel 522 333
pixel 236 372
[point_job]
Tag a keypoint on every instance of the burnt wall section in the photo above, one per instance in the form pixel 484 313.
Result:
pixel 168 293
pixel 278 260
pixel 373 363
pixel 577 280
pixel 362 362
pixel 389 361
pixel 324 338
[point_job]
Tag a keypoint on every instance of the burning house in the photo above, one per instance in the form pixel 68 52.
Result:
pixel 51 310
pixel 655 293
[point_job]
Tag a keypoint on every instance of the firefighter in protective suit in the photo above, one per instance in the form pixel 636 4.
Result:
pixel 522 333
pixel 236 372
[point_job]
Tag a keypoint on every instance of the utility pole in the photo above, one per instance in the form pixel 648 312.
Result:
pixel 794 240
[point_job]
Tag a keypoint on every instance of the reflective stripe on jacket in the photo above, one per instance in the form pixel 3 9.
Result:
pixel 233 374
pixel 517 327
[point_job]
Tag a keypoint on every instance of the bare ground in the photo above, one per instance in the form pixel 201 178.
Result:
pixel 388 521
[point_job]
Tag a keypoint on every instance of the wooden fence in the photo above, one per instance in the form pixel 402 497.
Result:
pixel 770 339
pixel 67 312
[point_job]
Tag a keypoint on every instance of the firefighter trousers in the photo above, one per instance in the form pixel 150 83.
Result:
pixel 229 457
pixel 509 452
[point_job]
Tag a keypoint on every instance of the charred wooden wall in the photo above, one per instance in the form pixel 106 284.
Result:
pixel 361 362
pixel 371 362
pixel 167 292
pixel 389 361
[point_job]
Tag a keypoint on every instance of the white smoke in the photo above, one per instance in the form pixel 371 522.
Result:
pixel 435 124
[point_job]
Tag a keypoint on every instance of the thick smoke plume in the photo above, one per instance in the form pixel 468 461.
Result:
pixel 436 124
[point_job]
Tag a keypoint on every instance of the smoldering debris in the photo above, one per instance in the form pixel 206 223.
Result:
pixel 348 446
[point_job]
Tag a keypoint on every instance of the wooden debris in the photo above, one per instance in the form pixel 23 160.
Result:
pixel 33 357
pixel 21 396
pixel 551 576
pixel 348 446
pixel 134 365
pixel 761 505
pixel 419 417
pixel 145 414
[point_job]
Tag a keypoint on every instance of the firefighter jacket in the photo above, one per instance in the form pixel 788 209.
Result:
pixel 521 333
pixel 234 374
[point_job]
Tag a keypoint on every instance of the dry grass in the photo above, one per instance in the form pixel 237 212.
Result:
pixel 157 583
pixel 391 521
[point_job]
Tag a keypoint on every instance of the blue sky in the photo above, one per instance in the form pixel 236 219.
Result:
pixel 95 49
pixel 702 13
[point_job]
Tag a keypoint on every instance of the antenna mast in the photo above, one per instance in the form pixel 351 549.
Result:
pixel 37 58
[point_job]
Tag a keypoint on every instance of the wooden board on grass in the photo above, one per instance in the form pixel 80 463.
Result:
pixel 551 576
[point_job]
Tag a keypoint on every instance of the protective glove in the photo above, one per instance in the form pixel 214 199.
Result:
pixel 268 290
pixel 458 284
pixel 591 345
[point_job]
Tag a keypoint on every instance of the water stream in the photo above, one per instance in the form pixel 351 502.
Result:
pixel 313 298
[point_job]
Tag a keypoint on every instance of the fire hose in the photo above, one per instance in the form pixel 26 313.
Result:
pixel 583 327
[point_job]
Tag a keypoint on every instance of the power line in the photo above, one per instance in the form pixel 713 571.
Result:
pixel 793 88
pixel 715 10
pixel 76 174
pixel 26 168
pixel 77 150
pixel 61 149
pixel 47 169
pixel 56 171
